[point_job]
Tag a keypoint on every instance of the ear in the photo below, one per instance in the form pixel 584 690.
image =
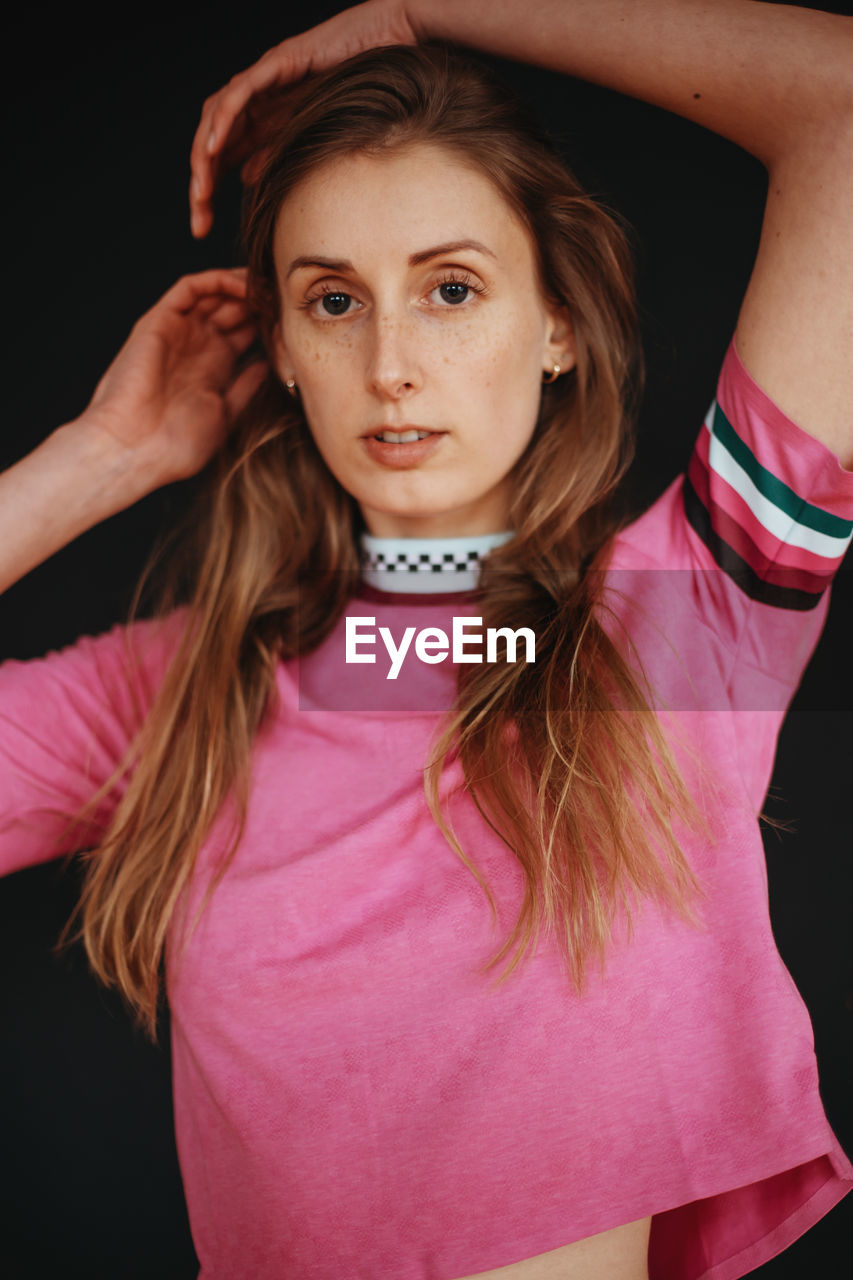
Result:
pixel 560 342
pixel 281 362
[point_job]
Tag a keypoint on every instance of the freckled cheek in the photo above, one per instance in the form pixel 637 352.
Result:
pixel 465 349
pixel 448 356
pixel 309 351
pixel 507 368
pixel 315 358
pixel 331 377
pixel 328 374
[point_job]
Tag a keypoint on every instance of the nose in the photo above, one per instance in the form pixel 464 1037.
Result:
pixel 394 361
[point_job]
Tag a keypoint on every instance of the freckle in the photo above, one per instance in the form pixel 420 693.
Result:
pixel 697 95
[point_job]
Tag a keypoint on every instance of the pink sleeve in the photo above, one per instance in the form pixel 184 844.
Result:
pixel 728 573
pixel 65 723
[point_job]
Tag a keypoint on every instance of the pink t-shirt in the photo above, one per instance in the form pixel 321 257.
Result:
pixel 353 1098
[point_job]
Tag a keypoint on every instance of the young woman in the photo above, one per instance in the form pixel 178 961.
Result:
pixel 292 828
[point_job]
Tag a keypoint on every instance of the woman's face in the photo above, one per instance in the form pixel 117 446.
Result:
pixel 410 302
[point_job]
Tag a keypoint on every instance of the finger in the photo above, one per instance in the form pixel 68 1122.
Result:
pixel 205 180
pixel 205 159
pixel 199 147
pixel 206 306
pixel 203 183
pixel 239 340
pixel 189 290
pixel 230 315
pixel 222 113
pixel 202 180
pixel 201 217
pixel 245 386
pixel 209 306
pixel 276 67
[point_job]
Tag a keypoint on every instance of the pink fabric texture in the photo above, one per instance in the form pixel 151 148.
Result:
pixel 354 1098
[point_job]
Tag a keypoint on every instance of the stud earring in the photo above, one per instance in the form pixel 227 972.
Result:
pixel 553 375
pixel 292 388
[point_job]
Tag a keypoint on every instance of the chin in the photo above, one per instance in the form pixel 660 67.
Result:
pixel 415 505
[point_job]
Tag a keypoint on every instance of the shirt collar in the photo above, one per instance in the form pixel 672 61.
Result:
pixel 423 566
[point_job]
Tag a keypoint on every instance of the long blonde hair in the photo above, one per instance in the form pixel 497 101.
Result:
pixel 555 753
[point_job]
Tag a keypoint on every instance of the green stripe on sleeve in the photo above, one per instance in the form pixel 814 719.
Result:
pixel 775 490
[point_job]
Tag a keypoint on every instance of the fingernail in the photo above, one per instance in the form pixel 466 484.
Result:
pixel 195 188
pixel 211 142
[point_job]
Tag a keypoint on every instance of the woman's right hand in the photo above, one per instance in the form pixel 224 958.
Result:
pixel 174 389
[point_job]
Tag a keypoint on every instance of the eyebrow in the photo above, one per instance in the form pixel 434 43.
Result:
pixel 415 259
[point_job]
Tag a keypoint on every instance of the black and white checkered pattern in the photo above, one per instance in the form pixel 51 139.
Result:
pixel 423 565
pixel 423 561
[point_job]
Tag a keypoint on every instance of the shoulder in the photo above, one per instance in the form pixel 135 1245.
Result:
pixel 119 670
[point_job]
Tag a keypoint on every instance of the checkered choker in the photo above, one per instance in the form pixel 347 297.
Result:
pixel 422 565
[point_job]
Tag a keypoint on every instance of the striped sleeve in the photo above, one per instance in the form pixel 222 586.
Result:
pixel 771 504
pixel 723 584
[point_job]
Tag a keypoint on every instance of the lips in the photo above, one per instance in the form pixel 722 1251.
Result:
pixel 402 447
pixel 402 437
pixel 405 434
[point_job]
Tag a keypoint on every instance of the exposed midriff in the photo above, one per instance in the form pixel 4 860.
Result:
pixel 618 1254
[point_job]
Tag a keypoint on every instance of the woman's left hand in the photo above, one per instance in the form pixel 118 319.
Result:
pixel 232 120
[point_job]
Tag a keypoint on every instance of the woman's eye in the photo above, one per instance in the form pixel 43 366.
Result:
pixel 454 291
pixel 335 303
pixel 327 303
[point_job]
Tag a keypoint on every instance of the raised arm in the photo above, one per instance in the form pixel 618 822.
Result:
pixel 775 79
pixel 159 413
pixel 778 81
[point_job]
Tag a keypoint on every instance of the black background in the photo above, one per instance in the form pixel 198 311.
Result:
pixel 96 144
